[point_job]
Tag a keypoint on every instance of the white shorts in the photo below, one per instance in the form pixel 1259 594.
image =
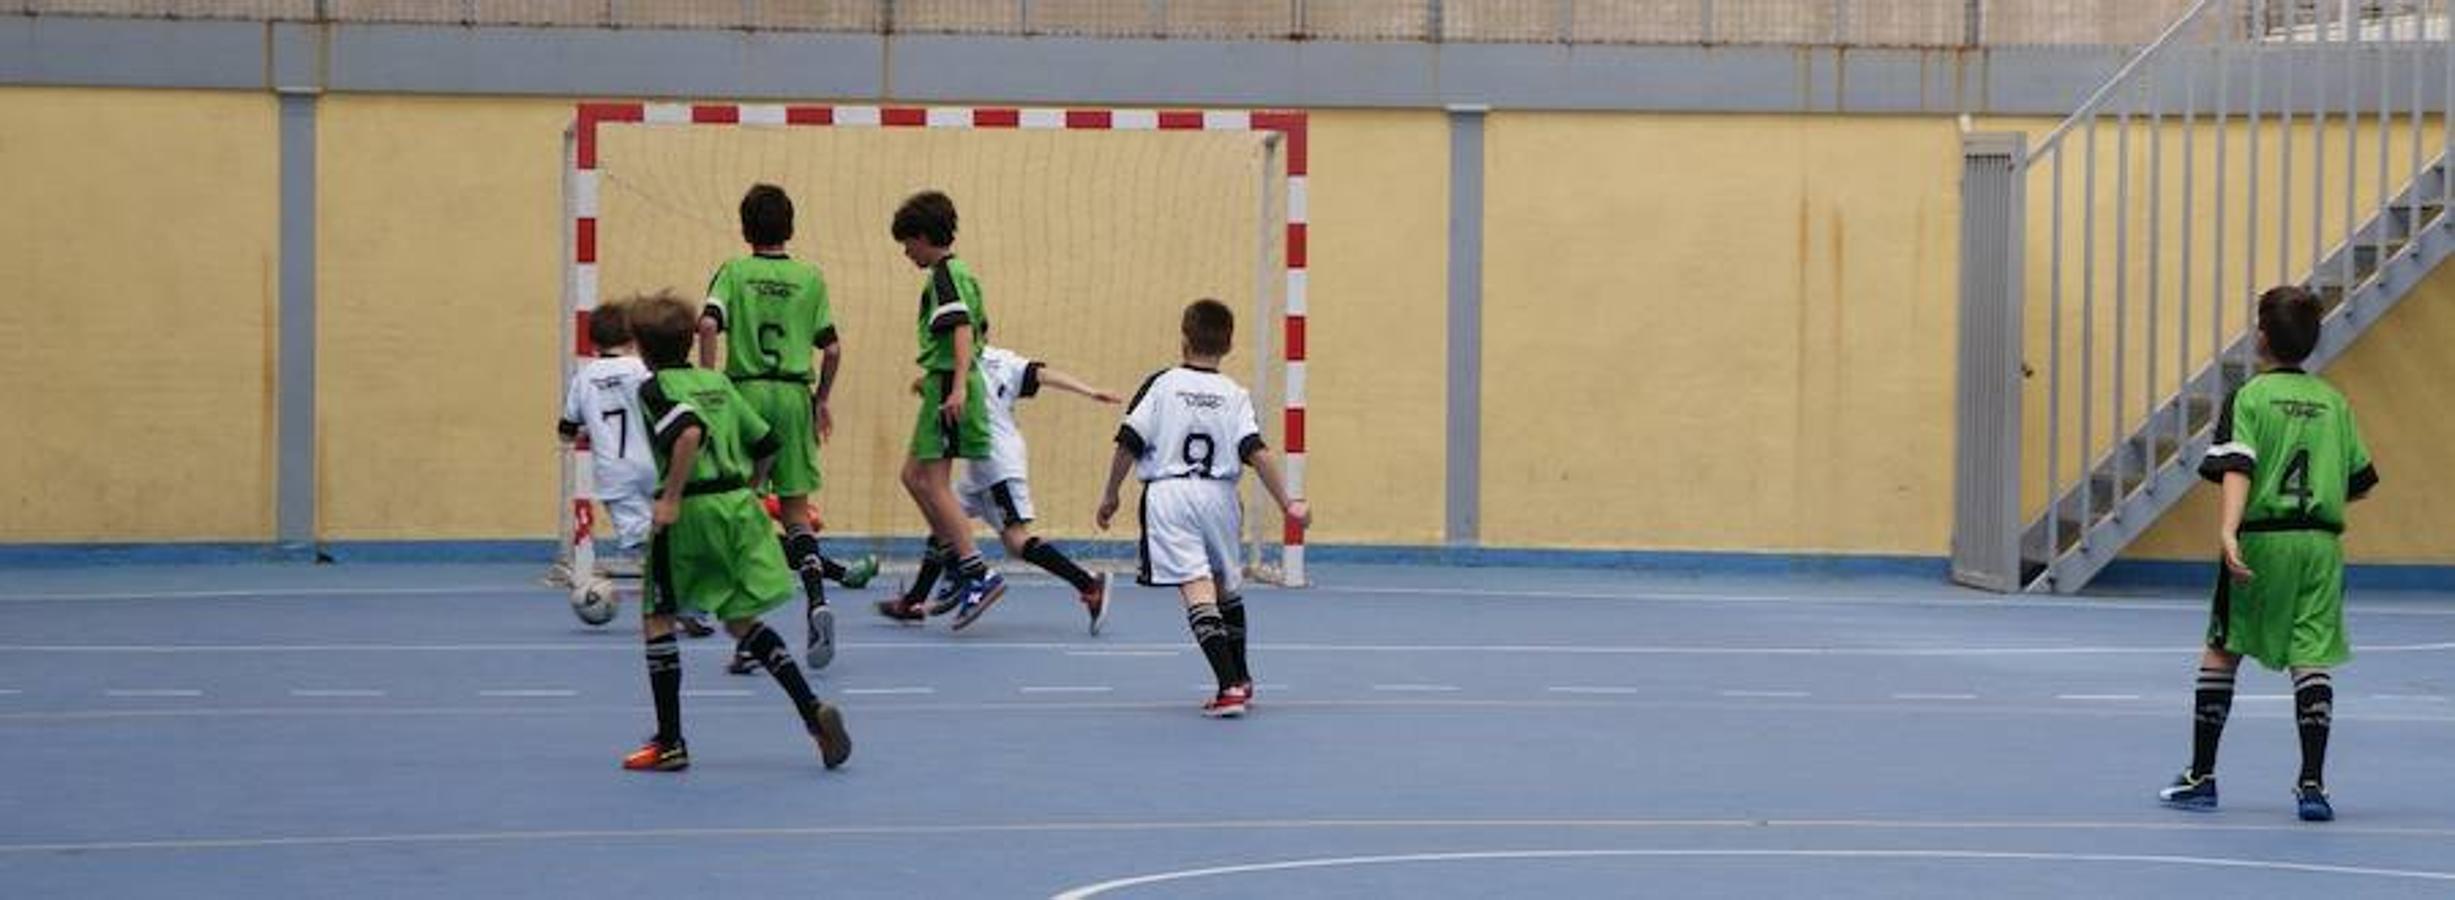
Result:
pixel 1002 504
pixel 633 515
pixel 1190 532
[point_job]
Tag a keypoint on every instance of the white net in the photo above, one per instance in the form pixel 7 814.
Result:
pixel 1088 244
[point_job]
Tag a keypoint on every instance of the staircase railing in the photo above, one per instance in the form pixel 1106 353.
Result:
pixel 2110 268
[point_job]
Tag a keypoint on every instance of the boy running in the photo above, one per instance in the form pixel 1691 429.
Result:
pixel 954 415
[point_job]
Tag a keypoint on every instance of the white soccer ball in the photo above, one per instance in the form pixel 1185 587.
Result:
pixel 594 602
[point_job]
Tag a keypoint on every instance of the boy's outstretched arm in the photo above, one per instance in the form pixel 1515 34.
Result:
pixel 1265 463
pixel 2237 496
pixel 1052 377
pixel 677 474
pixel 1118 464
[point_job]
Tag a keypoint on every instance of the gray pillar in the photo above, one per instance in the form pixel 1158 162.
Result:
pixel 1463 519
pixel 1986 448
pixel 294 467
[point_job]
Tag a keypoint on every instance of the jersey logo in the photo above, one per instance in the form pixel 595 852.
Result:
pixel 2299 409
pixel 1201 400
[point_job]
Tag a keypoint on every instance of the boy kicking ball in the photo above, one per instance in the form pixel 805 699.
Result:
pixel 1188 434
pixel 2290 460
pixel 712 550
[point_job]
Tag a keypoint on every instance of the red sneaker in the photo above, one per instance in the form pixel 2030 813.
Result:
pixel 1230 703
pixel 656 757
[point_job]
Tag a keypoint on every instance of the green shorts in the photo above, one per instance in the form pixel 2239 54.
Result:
pixel 2291 613
pixel 786 405
pixel 934 437
pixel 719 557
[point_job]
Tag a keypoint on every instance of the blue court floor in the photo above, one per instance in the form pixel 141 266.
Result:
pixel 452 731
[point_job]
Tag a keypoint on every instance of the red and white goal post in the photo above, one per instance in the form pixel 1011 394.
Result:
pixel 737 141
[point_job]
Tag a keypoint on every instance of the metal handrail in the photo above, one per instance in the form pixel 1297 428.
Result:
pixel 2121 79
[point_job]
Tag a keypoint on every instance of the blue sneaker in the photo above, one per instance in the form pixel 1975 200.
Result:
pixel 976 596
pixel 2196 793
pixel 2311 803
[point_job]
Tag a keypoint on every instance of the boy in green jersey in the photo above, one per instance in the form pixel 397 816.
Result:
pixel 2290 460
pixel 954 416
pixel 713 549
pixel 773 311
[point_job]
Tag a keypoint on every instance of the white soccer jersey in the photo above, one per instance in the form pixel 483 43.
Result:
pixel 1188 422
pixel 604 399
pixel 1009 377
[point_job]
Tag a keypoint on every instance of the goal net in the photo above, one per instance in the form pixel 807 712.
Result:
pixel 1089 229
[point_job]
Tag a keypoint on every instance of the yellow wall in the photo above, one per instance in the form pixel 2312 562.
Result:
pixel 1719 332
pixel 438 316
pixel 137 289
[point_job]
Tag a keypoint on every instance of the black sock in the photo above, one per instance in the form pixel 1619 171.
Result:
pixel 933 563
pixel 1212 634
pixel 1232 614
pixel 973 567
pixel 665 685
pixel 2211 705
pixel 764 645
pixel 801 553
pixel 2314 713
pixel 1045 555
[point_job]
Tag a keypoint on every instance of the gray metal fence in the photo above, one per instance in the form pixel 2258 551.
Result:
pixel 1870 23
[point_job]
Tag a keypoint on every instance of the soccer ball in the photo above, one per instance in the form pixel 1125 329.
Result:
pixel 594 602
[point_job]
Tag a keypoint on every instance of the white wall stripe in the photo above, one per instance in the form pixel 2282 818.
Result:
pixel 584 193
pixel 1295 383
pixel 949 117
pixel 856 115
pixel 1295 474
pixel 584 285
pixel 1134 120
pixel 667 114
pixel 1297 283
pixel 1227 120
pixel 762 114
pixel 1297 205
pixel 1043 118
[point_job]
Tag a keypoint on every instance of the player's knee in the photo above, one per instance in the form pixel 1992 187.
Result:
pixel 741 628
pixel 2219 658
pixel 656 625
pixel 1017 541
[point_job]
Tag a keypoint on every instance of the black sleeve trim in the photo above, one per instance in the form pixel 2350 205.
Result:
pixel 1031 380
pixel 2214 468
pixel 950 321
pixel 1132 440
pixel 1140 392
pixel 2362 482
pixel 825 338
pixel 666 436
pixel 569 429
pixel 1252 444
pixel 766 446
pixel 713 313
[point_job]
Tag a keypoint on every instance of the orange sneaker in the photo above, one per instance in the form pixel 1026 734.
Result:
pixel 656 757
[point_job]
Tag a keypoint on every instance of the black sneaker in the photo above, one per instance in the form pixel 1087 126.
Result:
pixel 2310 802
pixel 2196 793
pixel 826 725
pixel 743 663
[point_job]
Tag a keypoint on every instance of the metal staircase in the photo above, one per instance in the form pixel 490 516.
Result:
pixel 2350 86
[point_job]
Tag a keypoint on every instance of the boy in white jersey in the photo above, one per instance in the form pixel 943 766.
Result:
pixel 603 400
pixel 1188 434
pixel 996 489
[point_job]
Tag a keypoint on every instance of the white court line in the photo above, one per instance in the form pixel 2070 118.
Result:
pixel 2096 696
pixel 2263 697
pixel 1208 687
pixel 281 593
pixel 1416 688
pixel 1066 689
pixel 1123 653
pixel 1785 695
pixel 1934 696
pixel 1443 649
pixel 153 692
pixel 1093 890
pixel 5 692
pixel 335 692
pixel 890 691
pixel 2195 607
pixel 1592 689
pixel 717 692
pixel 2424 698
pixel 530 692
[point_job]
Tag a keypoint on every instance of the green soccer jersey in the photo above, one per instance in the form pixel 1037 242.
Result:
pixel 773 310
pixel 950 301
pixel 732 435
pixel 2293 434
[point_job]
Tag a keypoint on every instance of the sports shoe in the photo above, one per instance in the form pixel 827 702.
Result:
pixel 2196 793
pixel 656 757
pixel 694 626
pixel 826 725
pixel 899 610
pixel 1230 702
pixel 821 647
pixel 1095 603
pixel 743 663
pixel 950 593
pixel 976 596
pixel 2310 802
pixel 858 575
